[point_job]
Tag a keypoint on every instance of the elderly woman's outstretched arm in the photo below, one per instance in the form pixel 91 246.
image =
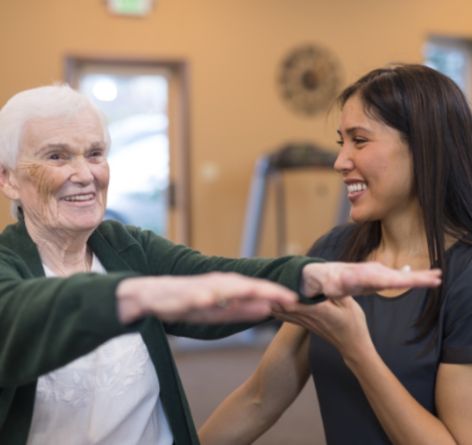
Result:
pixel 47 322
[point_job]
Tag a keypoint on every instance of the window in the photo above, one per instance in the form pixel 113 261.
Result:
pixel 451 57
pixel 136 109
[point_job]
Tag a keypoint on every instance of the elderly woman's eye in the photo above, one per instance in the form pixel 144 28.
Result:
pixel 54 156
pixel 97 154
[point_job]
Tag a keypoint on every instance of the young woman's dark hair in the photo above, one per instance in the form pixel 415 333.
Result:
pixel 433 117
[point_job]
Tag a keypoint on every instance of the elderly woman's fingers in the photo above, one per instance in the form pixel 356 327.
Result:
pixel 232 286
pixel 209 298
pixel 235 311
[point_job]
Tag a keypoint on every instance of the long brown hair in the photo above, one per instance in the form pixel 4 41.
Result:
pixel 433 116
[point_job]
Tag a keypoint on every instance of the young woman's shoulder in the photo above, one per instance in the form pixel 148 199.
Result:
pixel 331 245
pixel 459 262
pixel 457 306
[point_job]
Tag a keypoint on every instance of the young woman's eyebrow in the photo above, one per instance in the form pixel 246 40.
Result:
pixel 351 130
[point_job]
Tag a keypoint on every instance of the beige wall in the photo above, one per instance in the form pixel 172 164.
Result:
pixel 234 48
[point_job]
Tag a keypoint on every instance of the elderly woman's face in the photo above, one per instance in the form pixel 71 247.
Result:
pixel 62 172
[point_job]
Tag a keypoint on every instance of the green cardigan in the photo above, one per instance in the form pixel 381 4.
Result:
pixel 47 322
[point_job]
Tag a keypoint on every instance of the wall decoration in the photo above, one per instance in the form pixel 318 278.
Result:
pixel 309 78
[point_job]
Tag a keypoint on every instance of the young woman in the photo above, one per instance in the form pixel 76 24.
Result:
pixel 392 366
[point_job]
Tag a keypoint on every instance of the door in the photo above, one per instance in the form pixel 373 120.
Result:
pixel 146 108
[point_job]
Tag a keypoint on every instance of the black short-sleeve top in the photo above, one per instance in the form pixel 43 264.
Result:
pixel 346 413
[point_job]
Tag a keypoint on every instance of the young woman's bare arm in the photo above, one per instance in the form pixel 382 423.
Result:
pixel 256 405
pixel 454 399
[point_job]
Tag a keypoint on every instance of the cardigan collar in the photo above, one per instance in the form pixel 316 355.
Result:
pixel 17 238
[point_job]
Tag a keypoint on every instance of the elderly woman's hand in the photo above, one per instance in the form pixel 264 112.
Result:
pixel 336 279
pixel 210 298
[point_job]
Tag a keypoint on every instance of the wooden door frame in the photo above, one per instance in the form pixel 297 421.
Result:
pixel 179 131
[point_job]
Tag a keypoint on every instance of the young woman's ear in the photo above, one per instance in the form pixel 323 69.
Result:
pixel 7 183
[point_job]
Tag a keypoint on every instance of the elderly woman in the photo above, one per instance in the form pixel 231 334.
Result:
pixel 85 305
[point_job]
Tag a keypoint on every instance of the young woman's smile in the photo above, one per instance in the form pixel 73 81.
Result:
pixel 375 163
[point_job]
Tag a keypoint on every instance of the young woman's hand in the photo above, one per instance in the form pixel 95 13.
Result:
pixel 340 321
pixel 338 279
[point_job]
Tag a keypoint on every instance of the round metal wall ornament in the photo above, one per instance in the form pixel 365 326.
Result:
pixel 309 78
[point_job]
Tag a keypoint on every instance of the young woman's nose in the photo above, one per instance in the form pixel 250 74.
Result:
pixel 343 163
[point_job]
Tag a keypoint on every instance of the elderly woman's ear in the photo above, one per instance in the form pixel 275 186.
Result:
pixel 7 184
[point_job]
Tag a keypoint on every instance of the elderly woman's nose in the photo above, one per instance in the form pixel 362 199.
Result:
pixel 81 170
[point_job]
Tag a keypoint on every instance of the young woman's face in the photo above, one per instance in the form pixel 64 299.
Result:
pixel 62 175
pixel 376 166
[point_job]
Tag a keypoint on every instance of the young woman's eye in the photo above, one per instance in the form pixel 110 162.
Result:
pixel 340 142
pixel 359 141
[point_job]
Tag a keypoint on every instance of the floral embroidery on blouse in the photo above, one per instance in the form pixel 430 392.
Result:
pixel 111 369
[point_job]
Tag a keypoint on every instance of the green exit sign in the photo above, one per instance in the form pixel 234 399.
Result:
pixel 130 7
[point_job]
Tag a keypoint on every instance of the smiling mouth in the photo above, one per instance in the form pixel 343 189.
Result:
pixel 356 187
pixel 79 197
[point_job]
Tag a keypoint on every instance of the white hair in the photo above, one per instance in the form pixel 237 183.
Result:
pixel 36 103
pixel 41 102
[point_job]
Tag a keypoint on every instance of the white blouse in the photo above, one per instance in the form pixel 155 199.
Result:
pixel 107 397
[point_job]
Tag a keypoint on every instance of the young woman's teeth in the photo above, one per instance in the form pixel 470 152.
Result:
pixel 357 187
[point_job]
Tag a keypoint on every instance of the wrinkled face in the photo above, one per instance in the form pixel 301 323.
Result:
pixel 62 174
pixel 376 166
